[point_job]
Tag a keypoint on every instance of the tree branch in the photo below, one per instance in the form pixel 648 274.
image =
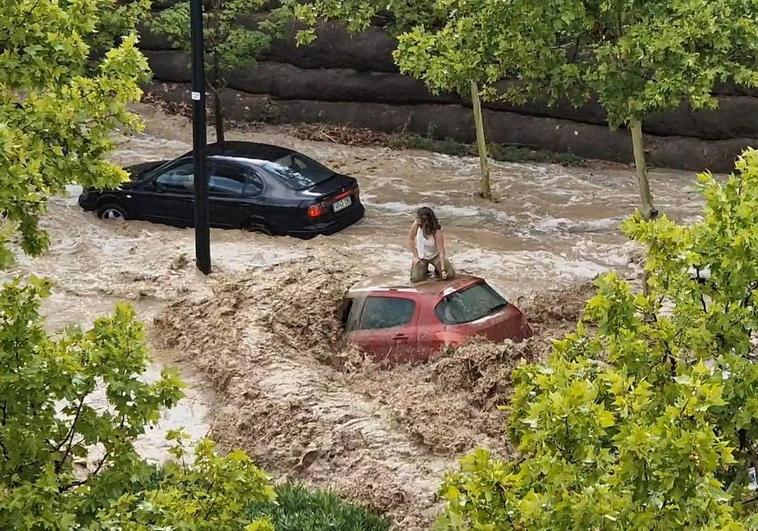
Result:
pixel 28 14
pixel 212 500
pixel 89 477
pixel 670 357
pixel 69 437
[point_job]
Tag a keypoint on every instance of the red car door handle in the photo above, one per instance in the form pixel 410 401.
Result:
pixel 400 337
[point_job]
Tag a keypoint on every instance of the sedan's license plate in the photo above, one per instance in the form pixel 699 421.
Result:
pixel 342 204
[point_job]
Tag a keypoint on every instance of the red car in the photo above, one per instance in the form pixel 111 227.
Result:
pixel 414 323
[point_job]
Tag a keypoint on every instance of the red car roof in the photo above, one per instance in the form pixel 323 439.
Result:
pixel 428 287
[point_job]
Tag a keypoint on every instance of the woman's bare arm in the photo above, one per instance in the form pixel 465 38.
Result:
pixel 412 240
pixel 439 238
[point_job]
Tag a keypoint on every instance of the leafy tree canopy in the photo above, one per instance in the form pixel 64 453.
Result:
pixel 117 18
pixel 232 40
pixel 639 57
pixel 647 416
pixel 56 115
pixel 227 41
pixel 49 418
pixel 74 398
pixel 396 16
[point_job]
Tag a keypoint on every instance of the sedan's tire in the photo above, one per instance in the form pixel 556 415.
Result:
pixel 260 226
pixel 112 212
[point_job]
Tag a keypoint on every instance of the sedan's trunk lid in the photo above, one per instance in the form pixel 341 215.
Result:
pixel 332 186
pixel 332 198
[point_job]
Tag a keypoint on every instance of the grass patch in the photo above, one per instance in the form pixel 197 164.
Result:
pixel 300 509
pixel 524 154
pixel 350 136
pixel 498 152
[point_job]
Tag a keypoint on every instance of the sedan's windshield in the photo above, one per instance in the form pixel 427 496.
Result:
pixel 469 304
pixel 146 170
pixel 298 171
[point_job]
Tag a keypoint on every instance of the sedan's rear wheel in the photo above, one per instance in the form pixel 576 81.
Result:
pixel 112 213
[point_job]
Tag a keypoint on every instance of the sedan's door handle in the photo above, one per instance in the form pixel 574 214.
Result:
pixel 189 199
pixel 401 338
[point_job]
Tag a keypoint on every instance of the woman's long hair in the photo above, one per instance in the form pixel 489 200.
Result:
pixel 427 221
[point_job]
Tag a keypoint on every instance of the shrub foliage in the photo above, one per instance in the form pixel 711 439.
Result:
pixel 648 418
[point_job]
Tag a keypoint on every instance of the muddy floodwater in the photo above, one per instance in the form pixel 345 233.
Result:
pixel 551 222
pixel 552 226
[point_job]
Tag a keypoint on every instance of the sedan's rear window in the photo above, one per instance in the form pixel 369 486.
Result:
pixel 469 304
pixel 298 171
pixel 386 312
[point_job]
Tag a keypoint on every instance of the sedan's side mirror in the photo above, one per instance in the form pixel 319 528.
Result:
pixel 148 185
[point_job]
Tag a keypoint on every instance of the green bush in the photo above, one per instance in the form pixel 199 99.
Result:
pixel 209 494
pixel 299 509
pixel 649 420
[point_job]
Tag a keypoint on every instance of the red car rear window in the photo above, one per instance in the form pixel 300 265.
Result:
pixel 469 304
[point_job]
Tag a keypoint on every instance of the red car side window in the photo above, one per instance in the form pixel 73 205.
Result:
pixel 386 312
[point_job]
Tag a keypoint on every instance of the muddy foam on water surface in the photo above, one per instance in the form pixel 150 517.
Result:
pixel 308 409
pixel 255 339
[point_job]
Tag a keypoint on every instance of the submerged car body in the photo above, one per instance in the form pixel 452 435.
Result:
pixel 260 187
pixel 414 323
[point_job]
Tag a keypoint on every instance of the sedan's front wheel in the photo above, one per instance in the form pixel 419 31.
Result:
pixel 112 213
pixel 260 226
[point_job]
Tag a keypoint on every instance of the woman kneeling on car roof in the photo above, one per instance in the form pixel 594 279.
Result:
pixel 427 243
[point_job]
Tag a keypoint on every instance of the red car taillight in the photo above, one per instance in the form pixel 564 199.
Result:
pixel 316 210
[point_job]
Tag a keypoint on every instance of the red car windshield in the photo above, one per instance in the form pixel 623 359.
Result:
pixel 469 304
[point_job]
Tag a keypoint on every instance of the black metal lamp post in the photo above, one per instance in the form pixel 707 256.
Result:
pixel 202 213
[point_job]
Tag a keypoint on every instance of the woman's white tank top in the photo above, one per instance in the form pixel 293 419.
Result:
pixel 426 247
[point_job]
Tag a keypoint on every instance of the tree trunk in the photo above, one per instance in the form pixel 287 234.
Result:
pixel 481 145
pixel 218 112
pixel 218 115
pixel 647 209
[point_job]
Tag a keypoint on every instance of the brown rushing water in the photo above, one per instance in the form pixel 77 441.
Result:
pixel 552 222
pixel 553 225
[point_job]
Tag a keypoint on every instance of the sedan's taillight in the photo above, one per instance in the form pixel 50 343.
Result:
pixel 319 209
